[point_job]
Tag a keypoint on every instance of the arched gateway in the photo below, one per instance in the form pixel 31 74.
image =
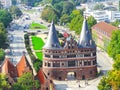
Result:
pixel 77 58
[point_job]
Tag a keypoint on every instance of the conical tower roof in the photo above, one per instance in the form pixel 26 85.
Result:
pixel 52 40
pixel 85 39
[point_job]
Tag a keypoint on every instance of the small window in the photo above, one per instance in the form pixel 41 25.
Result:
pixel 49 64
pixel 62 64
pixel 45 64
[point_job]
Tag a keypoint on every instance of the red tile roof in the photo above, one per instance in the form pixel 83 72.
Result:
pixel 41 76
pixel 22 66
pixel 103 26
pixel 8 68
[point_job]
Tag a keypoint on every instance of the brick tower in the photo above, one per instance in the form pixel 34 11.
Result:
pixel 73 60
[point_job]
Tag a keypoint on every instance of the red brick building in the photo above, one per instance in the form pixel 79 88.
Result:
pixel 13 71
pixel 102 32
pixel 45 83
pixel 72 60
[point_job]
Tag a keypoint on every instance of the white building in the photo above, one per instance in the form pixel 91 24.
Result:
pixel 6 3
pixel 104 15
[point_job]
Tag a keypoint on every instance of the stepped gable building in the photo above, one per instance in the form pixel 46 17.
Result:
pixel 73 60
pixel 13 71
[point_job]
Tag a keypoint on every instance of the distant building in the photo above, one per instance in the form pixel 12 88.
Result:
pixel 6 3
pixel 102 32
pixel 74 59
pixel 103 15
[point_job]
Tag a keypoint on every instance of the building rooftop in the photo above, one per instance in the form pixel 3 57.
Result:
pixel 103 26
pixel 85 39
pixel 23 66
pixel 52 40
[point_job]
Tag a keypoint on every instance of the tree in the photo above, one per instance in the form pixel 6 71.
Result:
pixel 65 19
pixel 91 21
pixel 15 11
pixel 75 23
pixel 104 84
pixel 2 55
pixel 49 13
pixel 4 85
pixel 99 6
pixel 114 45
pixel 26 82
pixel 116 64
pixel 5 17
pixel 114 79
pixel 68 7
pixel 3 36
pixel 116 23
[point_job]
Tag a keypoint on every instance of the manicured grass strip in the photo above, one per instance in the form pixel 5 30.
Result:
pixel 37 26
pixel 39 55
pixel 37 43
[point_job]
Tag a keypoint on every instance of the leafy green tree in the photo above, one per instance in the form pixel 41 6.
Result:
pixel 37 64
pixel 65 19
pixel 75 23
pixel 116 23
pixel 76 13
pixel 5 17
pixel 3 36
pixel 68 7
pixel 99 6
pixel 114 79
pixel 59 7
pixel 26 82
pixel 2 55
pixel 91 21
pixel 116 64
pixel 15 11
pixel 49 13
pixel 114 45
pixel 4 85
pixel 104 84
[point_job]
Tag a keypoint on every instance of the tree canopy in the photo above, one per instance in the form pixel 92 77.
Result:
pixel 4 85
pixel 114 45
pixel 3 36
pixel 116 23
pixel 2 54
pixel 5 17
pixel 26 82
pixel 99 6
pixel 49 13
pixel 116 64
pixel 91 21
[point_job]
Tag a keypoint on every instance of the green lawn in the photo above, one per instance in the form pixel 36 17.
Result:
pixel 39 55
pixel 37 26
pixel 37 43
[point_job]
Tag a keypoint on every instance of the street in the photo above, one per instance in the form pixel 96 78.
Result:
pixel 16 44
